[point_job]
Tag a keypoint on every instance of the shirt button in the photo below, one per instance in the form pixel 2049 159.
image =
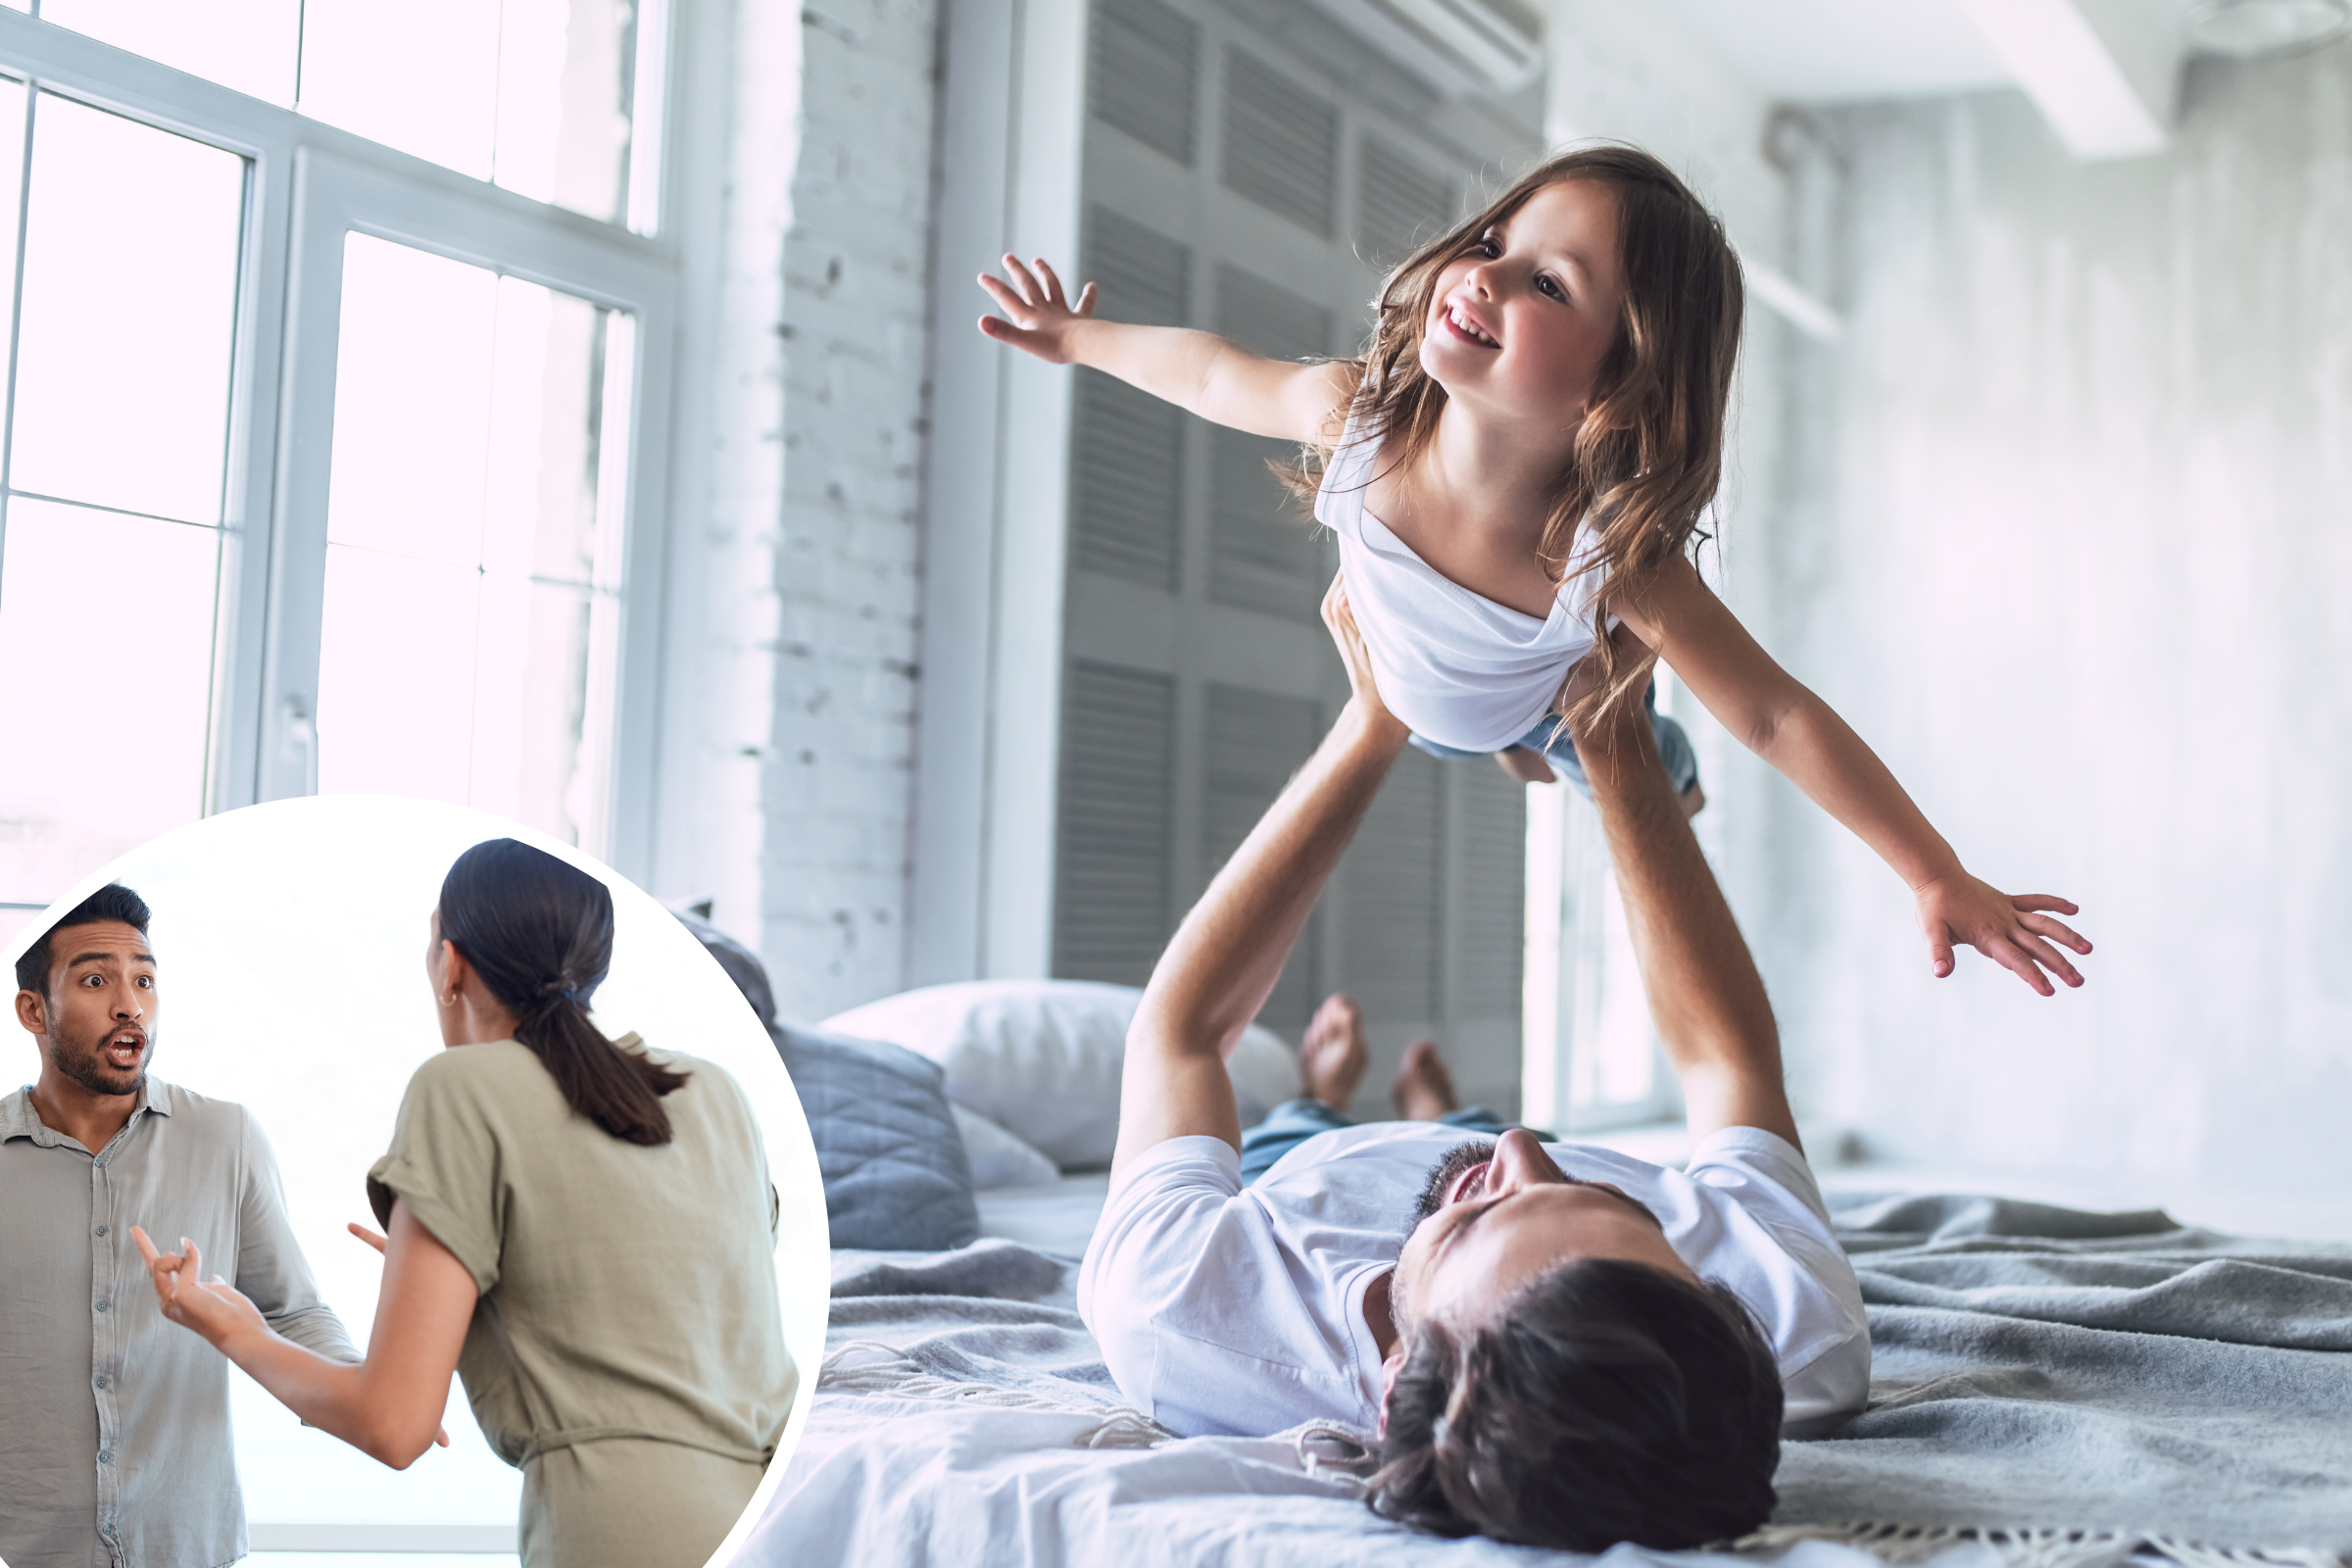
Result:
pixel 101 1306
pixel 102 1380
pixel 102 1230
pixel 106 1457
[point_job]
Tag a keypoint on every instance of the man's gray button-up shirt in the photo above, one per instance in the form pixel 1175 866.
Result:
pixel 114 1421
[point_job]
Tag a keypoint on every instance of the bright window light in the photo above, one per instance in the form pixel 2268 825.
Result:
pixel 119 400
pixel 246 44
pixel 473 541
pixel 130 297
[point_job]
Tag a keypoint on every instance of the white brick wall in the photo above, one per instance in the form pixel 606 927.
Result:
pixel 788 736
pixel 835 788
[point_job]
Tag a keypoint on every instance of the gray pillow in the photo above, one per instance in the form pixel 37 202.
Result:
pixel 897 1178
pixel 895 1175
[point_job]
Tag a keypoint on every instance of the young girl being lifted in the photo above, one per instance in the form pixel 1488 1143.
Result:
pixel 1515 470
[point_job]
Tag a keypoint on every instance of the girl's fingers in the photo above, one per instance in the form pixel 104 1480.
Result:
pixel 1053 294
pixel 2009 957
pixel 1939 954
pixel 146 1248
pixel 2048 958
pixel 1085 306
pixel 2044 901
pixel 373 1239
pixel 1008 300
pixel 195 1259
pixel 1032 291
pixel 2056 930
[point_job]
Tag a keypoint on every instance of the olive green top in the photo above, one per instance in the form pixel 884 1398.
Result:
pixel 626 1292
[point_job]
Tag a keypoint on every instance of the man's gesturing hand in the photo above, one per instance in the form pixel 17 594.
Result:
pixel 213 1308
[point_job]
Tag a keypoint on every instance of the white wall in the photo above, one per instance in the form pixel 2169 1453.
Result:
pixel 2064 534
pixel 806 171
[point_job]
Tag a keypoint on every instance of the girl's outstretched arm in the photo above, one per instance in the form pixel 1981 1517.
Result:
pixel 1785 724
pixel 1198 371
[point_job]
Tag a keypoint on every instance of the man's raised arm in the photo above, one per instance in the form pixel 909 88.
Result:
pixel 1704 993
pixel 1223 961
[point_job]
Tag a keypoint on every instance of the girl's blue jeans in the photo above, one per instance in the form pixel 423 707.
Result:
pixel 1550 739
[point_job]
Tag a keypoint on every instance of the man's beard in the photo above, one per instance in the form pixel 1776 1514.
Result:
pixel 89 1067
pixel 1443 1174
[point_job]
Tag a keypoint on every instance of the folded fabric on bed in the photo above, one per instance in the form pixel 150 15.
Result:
pixel 2038 1370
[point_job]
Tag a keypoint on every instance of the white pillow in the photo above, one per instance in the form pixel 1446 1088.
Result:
pixel 999 1159
pixel 1041 1059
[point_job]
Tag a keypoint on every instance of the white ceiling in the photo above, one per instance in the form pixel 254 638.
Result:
pixel 1826 50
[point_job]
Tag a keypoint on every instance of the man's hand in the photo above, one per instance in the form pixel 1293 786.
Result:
pixel 1040 316
pixel 213 1308
pixel 2010 931
pixel 1340 616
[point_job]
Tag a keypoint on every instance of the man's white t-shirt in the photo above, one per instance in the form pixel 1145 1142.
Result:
pixel 1241 1310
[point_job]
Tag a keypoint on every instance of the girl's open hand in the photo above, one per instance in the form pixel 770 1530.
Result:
pixel 213 1308
pixel 2016 933
pixel 1041 318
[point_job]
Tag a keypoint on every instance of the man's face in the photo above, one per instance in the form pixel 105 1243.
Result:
pixel 1496 1215
pixel 98 1019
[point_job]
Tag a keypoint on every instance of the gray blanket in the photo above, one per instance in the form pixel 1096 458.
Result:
pixel 2037 1370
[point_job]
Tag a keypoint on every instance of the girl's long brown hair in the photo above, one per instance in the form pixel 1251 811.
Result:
pixel 1648 454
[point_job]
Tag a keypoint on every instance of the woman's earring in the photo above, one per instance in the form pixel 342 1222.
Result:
pixel 450 1000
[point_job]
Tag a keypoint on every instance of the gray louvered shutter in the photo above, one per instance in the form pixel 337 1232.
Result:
pixel 1491 917
pixel 1256 740
pixel 1282 144
pixel 1264 552
pixel 1127 453
pixel 1112 873
pixel 1393 935
pixel 1146 65
pixel 1270 319
pixel 1399 204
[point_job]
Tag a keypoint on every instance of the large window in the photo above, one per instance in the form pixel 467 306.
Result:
pixel 327 332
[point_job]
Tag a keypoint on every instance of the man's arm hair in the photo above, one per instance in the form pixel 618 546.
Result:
pixel 1223 961
pixel 1705 995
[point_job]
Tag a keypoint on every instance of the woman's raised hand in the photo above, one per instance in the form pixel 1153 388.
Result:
pixel 213 1308
pixel 1040 316
pixel 2016 933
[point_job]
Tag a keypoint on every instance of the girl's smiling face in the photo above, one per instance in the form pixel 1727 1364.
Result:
pixel 1519 324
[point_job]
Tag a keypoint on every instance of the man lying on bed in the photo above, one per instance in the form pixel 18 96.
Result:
pixel 1559 1344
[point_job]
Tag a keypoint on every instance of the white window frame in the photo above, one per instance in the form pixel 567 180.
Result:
pixel 307 185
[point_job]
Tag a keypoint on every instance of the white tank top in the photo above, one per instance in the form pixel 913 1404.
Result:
pixel 1455 665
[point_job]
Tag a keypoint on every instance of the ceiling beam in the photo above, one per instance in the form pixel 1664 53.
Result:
pixel 2105 73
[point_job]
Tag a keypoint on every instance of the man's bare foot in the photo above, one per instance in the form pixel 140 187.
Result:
pixel 1333 1055
pixel 1525 765
pixel 1424 1088
pixel 1694 801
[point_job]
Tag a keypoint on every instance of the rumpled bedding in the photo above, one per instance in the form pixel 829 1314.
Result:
pixel 2050 1388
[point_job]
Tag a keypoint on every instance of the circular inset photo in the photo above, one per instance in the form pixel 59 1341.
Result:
pixel 333 1106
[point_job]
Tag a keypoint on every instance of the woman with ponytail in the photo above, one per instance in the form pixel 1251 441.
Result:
pixel 582 1228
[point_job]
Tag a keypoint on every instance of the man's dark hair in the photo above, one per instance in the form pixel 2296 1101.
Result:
pixel 113 902
pixel 1605 1402
pixel 540 934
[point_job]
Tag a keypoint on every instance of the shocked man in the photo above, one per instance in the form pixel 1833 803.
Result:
pixel 114 1423
pixel 1555 1344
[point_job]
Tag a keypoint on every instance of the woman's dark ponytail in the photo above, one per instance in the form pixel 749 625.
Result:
pixel 540 934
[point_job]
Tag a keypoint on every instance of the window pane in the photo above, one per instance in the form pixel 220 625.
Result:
pixel 73 798
pixel 245 44
pixel 12 176
pixel 130 288
pixel 473 524
pixel 420 76
pixel 536 95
